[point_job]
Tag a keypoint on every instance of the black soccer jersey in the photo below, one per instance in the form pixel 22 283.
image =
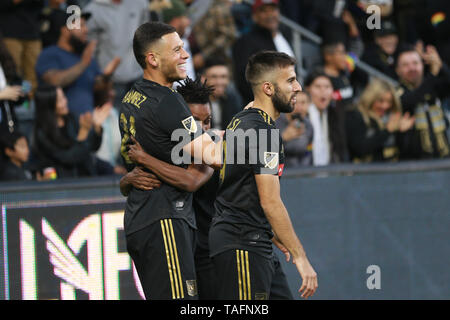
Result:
pixel 203 203
pixel 252 145
pixel 151 113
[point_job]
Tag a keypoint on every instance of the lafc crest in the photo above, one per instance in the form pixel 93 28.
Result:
pixel 191 286
pixel 270 160
pixel 189 124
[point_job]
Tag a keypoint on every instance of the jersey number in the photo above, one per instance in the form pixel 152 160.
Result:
pixel 128 127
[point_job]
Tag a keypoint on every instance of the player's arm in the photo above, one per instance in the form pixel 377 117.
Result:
pixel 204 149
pixel 139 179
pixel 269 193
pixel 190 179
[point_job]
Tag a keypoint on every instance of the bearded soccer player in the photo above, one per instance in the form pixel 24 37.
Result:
pixel 250 214
pixel 159 224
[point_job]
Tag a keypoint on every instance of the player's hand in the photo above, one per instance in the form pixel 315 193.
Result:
pixel 282 248
pixel 143 180
pixel 135 151
pixel 309 277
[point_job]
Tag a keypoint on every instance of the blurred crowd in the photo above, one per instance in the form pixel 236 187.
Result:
pixel 62 79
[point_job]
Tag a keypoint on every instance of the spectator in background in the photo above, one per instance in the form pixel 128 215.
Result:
pixel 71 66
pixel 176 16
pixel 64 143
pixel 337 68
pixel 50 27
pixel 19 24
pixel 109 150
pixel 382 53
pixel 214 32
pixel 328 141
pixel 421 93
pixel 265 35
pixel 362 16
pixel 11 93
pixel 297 132
pixel 335 23
pixel 112 25
pixel 433 25
pixel 225 100
pixel 375 127
pixel 14 147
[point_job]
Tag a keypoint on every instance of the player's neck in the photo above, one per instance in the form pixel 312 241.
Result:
pixel 267 107
pixel 158 78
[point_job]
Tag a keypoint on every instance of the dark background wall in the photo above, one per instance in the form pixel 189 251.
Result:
pixel 398 221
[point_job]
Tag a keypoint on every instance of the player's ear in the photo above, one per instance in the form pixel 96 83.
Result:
pixel 152 59
pixel 268 88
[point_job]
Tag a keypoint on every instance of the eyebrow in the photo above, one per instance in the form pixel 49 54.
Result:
pixel 179 46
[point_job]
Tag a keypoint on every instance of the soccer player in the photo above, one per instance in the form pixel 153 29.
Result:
pixel 196 95
pixel 250 214
pixel 159 224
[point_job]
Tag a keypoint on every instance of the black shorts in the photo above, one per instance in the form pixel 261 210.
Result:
pixel 245 275
pixel 206 277
pixel 163 254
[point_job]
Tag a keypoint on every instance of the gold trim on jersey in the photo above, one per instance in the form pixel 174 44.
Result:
pixel 243 271
pixel 173 264
pixel 266 117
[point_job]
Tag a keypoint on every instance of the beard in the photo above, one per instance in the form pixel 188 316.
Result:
pixel 77 45
pixel 280 103
pixel 171 72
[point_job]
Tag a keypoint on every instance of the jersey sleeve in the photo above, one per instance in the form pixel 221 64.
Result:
pixel 268 151
pixel 175 117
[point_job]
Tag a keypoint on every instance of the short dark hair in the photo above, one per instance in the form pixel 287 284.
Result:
pixel 212 61
pixel 147 34
pixel 8 139
pixel 265 61
pixel 313 75
pixel 330 46
pixel 404 48
pixel 195 91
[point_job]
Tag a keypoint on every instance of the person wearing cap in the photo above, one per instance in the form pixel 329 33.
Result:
pixel 265 35
pixel 112 25
pixel 19 25
pixel 70 63
pixel 424 81
pixel 381 54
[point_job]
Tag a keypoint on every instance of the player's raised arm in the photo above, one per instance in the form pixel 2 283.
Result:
pixel 269 193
